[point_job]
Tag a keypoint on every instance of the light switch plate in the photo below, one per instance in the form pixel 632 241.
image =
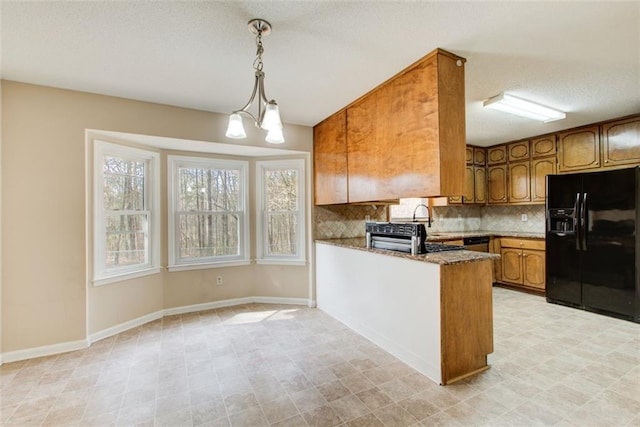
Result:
pixel 524 218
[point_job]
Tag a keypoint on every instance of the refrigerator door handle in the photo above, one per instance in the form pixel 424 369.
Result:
pixel 583 221
pixel 576 220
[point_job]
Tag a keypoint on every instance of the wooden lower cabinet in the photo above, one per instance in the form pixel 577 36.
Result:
pixel 494 248
pixel 522 263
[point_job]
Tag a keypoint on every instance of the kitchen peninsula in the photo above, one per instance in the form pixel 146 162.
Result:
pixel 432 311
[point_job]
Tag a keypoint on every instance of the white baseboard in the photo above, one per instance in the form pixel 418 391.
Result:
pixel 49 350
pixel 125 326
pixel 276 300
pixel 207 306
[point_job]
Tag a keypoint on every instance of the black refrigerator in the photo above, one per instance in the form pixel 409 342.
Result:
pixel 591 241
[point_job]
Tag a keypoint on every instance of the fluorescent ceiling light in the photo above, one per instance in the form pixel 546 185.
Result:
pixel 521 107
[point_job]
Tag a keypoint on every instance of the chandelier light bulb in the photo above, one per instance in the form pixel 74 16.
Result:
pixel 271 116
pixel 235 129
pixel 275 136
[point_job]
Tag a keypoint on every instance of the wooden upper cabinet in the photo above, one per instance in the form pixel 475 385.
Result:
pixel 518 150
pixel 330 160
pixel 579 149
pixel 363 148
pixel 406 138
pixel 468 196
pixel 540 168
pixel 497 184
pixel 497 155
pixel 480 184
pixel 519 182
pixel 479 156
pixel 621 142
pixel 468 155
pixel 543 146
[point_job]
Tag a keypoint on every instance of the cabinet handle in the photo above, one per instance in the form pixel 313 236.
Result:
pixel 606 161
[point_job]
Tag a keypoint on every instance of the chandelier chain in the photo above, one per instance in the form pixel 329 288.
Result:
pixel 257 63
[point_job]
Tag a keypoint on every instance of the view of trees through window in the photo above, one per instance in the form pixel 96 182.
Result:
pixel 208 208
pixel 281 203
pixel 126 214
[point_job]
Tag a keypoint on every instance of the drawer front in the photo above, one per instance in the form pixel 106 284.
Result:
pixel 513 242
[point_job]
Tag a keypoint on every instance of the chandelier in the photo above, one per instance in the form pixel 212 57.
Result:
pixel 268 116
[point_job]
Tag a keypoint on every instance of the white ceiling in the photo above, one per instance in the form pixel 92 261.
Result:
pixel 580 57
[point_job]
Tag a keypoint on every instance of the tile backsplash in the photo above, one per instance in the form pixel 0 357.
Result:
pixel 344 221
pixel 508 218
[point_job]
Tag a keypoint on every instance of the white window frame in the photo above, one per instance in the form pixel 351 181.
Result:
pixel 101 274
pixel 175 264
pixel 262 257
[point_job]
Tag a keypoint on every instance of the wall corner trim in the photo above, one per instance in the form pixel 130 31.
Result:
pixel 65 347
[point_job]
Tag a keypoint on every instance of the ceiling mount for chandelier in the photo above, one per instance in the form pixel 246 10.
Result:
pixel 268 114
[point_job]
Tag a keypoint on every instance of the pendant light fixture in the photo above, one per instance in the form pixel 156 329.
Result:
pixel 268 116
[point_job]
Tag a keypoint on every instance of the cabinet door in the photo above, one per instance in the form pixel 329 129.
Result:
pixel 480 184
pixel 579 149
pixel 511 265
pixel 543 146
pixel 533 266
pixel 497 155
pixel 518 150
pixel 519 182
pixel 330 160
pixel 540 168
pixel 468 155
pixel 497 184
pixel 621 142
pixel 479 156
pixel 365 156
pixel 469 187
pixel 495 248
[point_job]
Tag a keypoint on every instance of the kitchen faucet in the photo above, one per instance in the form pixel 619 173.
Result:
pixel 428 214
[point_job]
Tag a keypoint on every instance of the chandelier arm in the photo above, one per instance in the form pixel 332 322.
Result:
pixel 262 99
pixel 244 109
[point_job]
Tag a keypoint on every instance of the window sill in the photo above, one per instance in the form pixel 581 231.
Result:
pixel 281 262
pixel 126 276
pixel 203 266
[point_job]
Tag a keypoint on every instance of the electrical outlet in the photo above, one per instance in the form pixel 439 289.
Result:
pixel 524 218
pixel 367 218
pixel 219 280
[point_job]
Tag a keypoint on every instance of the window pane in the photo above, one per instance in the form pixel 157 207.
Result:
pixel 123 184
pixel 125 240
pixel 282 189
pixel 208 235
pixel 123 192
pixel 281 234
pixel 215 190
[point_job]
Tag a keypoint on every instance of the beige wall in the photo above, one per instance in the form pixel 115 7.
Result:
pixel 47 298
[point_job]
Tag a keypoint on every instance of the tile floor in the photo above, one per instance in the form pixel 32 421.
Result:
pixel 257 364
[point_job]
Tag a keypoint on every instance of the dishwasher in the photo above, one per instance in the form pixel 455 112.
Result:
pixel 477 244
